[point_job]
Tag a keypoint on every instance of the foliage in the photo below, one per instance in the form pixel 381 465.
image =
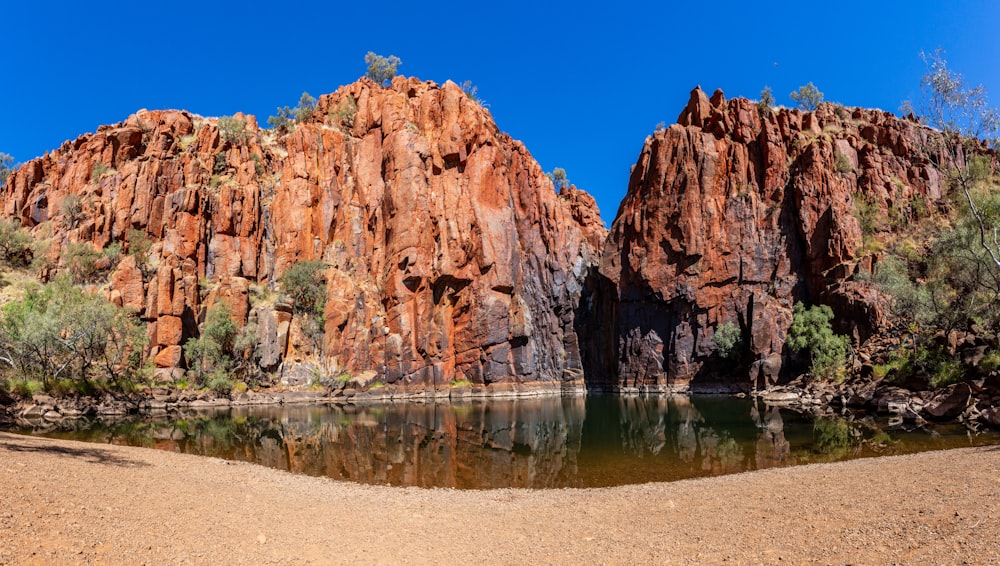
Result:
pixel 221 163
pixel 472 91
pixel 139 245
pixel 60 332
pixel 381 69
pixel 304 284
pixel 808 97
pixel 812 334
pixel 952 106
pixel 72 207
pixel 98 171
pixel 766 101
pixel 15 244
pixel 558 178
pixel 831 435
pixel 233 130
pixel 346 109
pixel 728 340
pixel 258 165
pixel 6 161
pixel 302 112
pixel 86 264
pixel 841 163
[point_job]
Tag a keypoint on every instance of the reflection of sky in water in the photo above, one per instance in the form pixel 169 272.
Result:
pixel 555 442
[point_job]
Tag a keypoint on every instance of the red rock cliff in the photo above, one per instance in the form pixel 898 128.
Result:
pixel 449 255
pixel 732 215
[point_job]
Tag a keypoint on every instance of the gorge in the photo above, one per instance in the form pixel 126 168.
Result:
pixel 451 263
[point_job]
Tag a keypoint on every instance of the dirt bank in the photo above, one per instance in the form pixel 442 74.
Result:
pixel 66 502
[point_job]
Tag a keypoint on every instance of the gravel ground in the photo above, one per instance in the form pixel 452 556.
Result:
pixel 64 502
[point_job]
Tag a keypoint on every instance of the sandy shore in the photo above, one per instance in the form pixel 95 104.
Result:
pixel 65 502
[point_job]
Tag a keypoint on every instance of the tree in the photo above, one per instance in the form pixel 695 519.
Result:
pixel 304 284
pixel 233 130
pixel 60 332
pixel 812 334
pixel 6 163
pixel 766 99
pixel 728 341
pixel 381 69
pixel 968 125
pixel 15 244
pixel 301 113
pixel 808 97
pixel 558 178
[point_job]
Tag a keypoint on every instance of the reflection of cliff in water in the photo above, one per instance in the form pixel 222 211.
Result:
pixel 568 442
pixel 524 443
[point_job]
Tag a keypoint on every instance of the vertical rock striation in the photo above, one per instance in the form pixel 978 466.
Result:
pixel 732 215
pixel 448 254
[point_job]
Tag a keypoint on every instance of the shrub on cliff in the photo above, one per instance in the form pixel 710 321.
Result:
pixel 59 332
pixel 305 285
pixel 728 341
pixel 808 97
pixel 233 130
pixel 766 101
pixel 558 178
pixel 88 265
pixel 381 69
pixel 6 161
pixel 15 244
pixel 812 334
pixel 302 112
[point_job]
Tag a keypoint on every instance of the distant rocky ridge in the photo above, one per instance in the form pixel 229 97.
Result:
pixel 451 259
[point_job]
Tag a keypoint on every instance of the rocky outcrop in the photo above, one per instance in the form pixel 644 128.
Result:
pixel 448 254
pixel 732 215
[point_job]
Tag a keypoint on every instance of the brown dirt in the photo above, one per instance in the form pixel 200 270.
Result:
pixel 65 502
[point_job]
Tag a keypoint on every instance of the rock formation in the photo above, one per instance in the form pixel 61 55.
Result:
pixel 449 256
pixel 732 215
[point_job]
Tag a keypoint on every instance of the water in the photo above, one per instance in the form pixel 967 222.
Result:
pixel 535 443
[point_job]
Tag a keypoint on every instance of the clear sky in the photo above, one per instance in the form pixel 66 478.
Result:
pixel 580 83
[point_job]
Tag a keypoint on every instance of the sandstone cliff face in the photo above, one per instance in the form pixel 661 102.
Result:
pixel 732 215
pixel 449 255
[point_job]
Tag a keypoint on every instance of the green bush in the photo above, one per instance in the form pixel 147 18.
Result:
pixel 302 112
pixel 304 284
pixel 812 334
pixel 381 69
pixel 808 97
pixel 233 130
pixel 98 171
pixel 558 178
pixel 6 161
pixel 15 244
pixel 222 349
pixel 766 102
pixel 59 332
pixel 728 341
pixel 221 163
pixel 345 112
pixel 139 245
pixel 80 260
pixel 841 163
pixel 212 350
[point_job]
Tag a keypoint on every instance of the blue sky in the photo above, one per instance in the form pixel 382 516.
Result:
pixel 580 83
